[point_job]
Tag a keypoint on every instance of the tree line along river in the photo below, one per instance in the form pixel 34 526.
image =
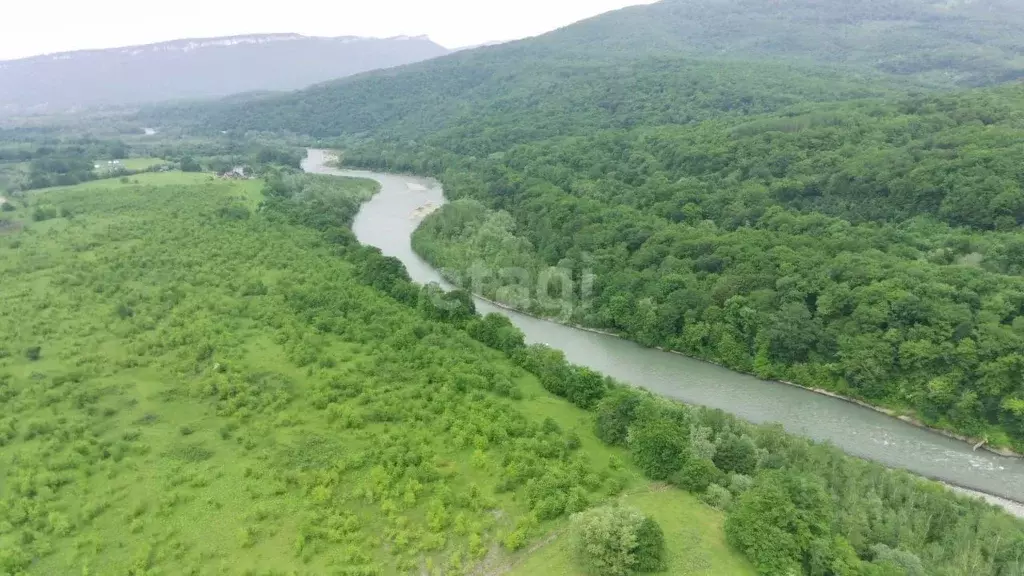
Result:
pixel 388 220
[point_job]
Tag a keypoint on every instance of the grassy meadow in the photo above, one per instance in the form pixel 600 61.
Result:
pixel 694 539
pixel 190 384
pixel 142 163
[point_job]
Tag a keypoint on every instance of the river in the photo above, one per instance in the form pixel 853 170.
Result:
pixel 388 220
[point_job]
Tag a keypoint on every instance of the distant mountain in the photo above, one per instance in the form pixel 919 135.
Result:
pixel 196 68
pixel 674 62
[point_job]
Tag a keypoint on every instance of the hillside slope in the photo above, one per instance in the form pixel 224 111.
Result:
pixel 673 62
pixel 196 68
pixel 523 94
pixel 951 42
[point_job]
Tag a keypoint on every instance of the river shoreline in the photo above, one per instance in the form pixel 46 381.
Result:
pixel 995 478
pixel 909 420
pixel 977 443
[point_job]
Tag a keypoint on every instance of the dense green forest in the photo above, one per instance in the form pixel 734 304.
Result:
pixel 489 99
pixel 871 248
pixel 943 43
pixel 270 396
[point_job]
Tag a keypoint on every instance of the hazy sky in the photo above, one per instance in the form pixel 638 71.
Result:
pixel 29 27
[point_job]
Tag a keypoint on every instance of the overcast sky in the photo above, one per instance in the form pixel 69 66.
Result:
pixel 29 27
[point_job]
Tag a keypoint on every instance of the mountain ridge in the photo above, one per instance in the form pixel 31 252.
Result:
pixel 192 68
pixel 189 44
pixel 956 42
pixel 647 60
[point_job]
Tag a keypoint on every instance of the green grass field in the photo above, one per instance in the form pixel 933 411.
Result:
pixel 158 179
pixel 191 386
pixel 142 163
pixel 694 539
pixel 134 164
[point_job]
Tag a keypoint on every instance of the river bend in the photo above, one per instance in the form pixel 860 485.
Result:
pixel 388 220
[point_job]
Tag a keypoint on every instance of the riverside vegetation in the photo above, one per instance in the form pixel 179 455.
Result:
pixel 270 397
pixel 811 208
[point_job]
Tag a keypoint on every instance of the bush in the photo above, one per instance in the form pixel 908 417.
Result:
pixel 124 311
pixel 585 388
pixel 650 550
pixel 616 541
pixel 738 484
pixel 717 497
pixel 498 332
pixel 44 213
pixel 34 353
pixel 615 415
pixel 234 213
pixel 577 500
pixel 192 453
pixel 7 207
pixel 696 475
pixel 189 164
pixel 572 441
pixel 776 521
pixel 13 560
pixel 515 540
pixel 900 561
pixel 550 426
pixel 736 454
pixel 658 447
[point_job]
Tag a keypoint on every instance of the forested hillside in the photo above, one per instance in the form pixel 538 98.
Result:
pixel 482 101
pixel 941 42
pixel 673 62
